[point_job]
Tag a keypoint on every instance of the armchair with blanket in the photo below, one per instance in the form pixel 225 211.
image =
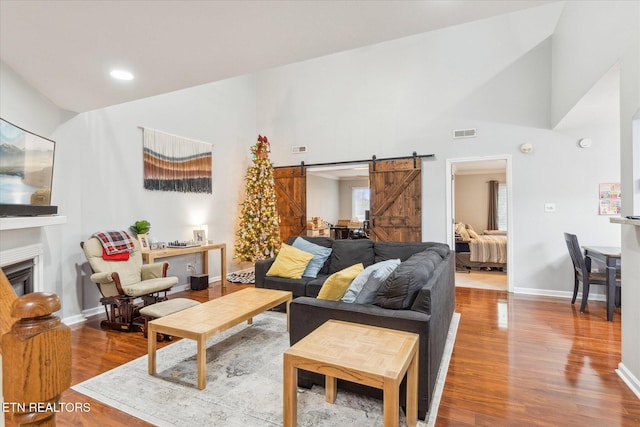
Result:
pixel 122 278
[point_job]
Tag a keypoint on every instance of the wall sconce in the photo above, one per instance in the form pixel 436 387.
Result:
pixel 526 148
pixel 585 143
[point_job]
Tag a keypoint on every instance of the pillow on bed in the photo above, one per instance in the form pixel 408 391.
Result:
pixel 462 231
pixel 472 233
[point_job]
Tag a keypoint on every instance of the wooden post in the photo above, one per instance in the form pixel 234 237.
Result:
pixel 36 357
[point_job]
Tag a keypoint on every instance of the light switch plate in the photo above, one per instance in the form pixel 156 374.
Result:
pixel 549 207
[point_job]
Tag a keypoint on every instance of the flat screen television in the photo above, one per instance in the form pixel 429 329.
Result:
pixel 26 172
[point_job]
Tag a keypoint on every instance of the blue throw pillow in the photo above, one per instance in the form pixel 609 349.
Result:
pixel 320 255
pixel 375 280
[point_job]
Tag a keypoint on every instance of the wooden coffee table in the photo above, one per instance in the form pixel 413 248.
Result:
pixel 205 320
pixel 363 354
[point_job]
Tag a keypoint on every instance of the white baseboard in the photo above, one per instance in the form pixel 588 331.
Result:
pixel 72 320
pixel 558 294
pixel 629 379
pixel 91 312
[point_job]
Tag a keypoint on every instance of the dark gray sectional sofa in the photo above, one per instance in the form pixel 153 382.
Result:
pixel 419 297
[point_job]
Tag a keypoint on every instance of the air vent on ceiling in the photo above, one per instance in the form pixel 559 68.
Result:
pixel 464 133
pixel 299 149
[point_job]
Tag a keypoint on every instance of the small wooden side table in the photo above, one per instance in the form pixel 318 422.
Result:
pixel 368 355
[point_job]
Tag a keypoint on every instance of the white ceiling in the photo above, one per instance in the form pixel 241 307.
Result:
pixel 340 172
pixel 65 49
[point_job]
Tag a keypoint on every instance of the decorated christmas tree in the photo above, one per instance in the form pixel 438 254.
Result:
pixel 259 234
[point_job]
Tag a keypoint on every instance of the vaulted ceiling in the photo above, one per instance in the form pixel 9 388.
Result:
pixel 66 49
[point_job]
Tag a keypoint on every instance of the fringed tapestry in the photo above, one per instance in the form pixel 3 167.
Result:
pixel 174 163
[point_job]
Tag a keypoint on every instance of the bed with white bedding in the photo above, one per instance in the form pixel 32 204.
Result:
pixel 474 250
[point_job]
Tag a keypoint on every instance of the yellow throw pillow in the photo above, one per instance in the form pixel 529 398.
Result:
pixel 290 262
pixel 337 284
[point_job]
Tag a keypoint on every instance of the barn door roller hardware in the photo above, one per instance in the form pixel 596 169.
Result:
pixel 373 159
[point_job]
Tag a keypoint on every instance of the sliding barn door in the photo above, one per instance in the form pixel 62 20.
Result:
pixel 396 200
pixel 291 198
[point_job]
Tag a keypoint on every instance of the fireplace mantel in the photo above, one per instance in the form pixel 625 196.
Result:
pixel 17 222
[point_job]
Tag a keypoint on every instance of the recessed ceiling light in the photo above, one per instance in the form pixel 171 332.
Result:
pixel 121 75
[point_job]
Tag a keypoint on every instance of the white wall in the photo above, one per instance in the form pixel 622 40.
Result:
pixel 591 36
pixel 472 198
pixel 98 177
pixel 109 180
pixel 25 107
pixel 322 198
pixel 346 196
pixel 580 58
pixel 408 95
pixel 505 76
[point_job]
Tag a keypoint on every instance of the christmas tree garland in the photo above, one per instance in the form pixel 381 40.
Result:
pixel 258 236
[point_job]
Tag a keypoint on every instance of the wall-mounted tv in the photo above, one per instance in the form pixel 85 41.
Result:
pixel 26 172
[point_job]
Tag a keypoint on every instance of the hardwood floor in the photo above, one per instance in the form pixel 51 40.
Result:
pixel 482 279
pixel 518 360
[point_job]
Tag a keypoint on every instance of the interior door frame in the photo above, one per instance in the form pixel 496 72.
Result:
pixel 449 203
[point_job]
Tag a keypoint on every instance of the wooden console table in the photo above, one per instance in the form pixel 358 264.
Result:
pixel 152 255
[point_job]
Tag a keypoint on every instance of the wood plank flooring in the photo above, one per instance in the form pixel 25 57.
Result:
pixel 518 361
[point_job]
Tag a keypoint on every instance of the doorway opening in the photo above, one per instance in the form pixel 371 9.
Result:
pixel 338 195
pixel 479 221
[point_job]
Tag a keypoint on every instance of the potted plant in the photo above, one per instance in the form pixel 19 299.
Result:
pixel 141 227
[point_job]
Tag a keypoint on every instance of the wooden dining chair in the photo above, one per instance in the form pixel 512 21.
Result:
pixel 582 273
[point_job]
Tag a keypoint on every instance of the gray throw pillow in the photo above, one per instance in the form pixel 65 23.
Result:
pixel 370 288
pixel 358 283
pixel 402 286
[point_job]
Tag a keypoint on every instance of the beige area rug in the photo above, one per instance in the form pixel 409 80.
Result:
pixel 244 384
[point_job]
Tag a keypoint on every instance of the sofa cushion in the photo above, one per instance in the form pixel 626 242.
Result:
pixel 320 255
pixel 314 285
pixel 370 289
pixel 349 252
pixel 290 262
pixel 336 285
pixel 296 286
pixel 358 283
pixel 392 250
pixel 401 287
pixel 441 249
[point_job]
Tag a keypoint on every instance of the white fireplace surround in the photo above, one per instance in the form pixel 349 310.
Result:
pixel 25 253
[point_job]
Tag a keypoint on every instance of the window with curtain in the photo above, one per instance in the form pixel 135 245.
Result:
pixel 497 215
pixel 359 202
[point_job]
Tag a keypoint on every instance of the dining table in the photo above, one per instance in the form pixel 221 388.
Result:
pixel 610 257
